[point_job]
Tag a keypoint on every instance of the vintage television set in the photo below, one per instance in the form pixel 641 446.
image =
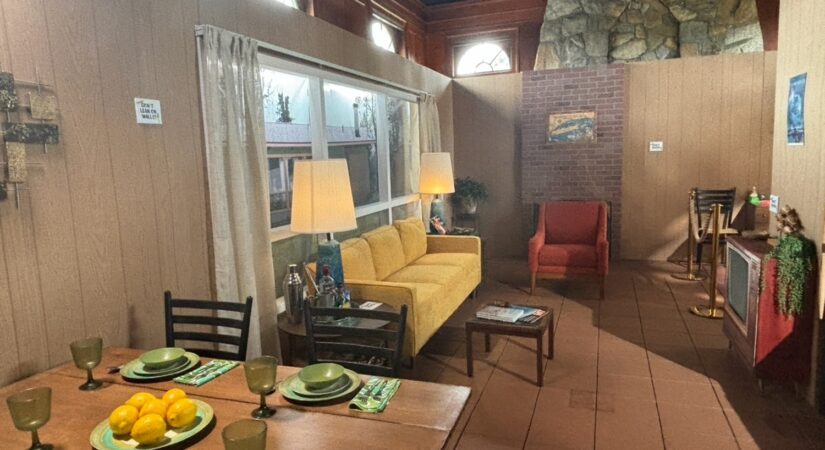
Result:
pixel 774 346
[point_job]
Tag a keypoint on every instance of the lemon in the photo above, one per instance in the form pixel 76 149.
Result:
pixel 154 406
pixel 140 399
pixel 123 418
pixel 173 395
pixel 181 413
pixel 149 429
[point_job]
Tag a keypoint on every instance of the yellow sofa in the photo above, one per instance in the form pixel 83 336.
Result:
pixel 400 264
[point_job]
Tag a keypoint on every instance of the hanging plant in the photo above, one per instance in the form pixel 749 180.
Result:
pixel 795 256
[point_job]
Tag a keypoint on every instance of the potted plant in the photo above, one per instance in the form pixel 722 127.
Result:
pixel 468 194
pixel 795 257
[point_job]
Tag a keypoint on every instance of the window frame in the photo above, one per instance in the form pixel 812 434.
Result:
pixel 320 146
pixel 506 38
pixel 397 39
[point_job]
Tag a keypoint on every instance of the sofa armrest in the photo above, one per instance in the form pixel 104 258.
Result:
pixel 454 244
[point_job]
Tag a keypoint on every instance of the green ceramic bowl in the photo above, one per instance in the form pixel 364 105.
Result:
pixel 161 358
pixel 319 376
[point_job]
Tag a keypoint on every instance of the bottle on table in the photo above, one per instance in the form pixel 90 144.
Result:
pixel 327 290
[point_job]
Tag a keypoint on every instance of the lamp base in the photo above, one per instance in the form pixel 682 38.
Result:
pixel 329 253
pixel 437 210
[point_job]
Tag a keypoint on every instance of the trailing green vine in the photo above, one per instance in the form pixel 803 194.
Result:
pixel 795 256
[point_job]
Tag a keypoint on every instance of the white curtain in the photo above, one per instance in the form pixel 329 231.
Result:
pixel 238 180
pixel 430 131
pixel 429 124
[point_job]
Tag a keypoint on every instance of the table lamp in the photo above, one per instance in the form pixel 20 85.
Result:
pixel 322 203
pixel 436 178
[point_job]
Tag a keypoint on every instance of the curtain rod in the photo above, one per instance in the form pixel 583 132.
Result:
pixel 321 64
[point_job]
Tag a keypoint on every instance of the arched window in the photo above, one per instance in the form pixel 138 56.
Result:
pixel 292 3
pixel 486 57
pixel 382 35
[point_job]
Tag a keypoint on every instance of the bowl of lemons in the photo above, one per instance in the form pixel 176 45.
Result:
pixel 145 421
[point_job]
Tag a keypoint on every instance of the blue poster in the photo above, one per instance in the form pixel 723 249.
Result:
pixel 796 110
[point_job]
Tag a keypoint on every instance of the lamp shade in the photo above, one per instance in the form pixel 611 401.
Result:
pixel 436 174
pixel 322 197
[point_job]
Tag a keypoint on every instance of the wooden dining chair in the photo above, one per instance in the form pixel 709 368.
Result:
pixel 214 317
pixel 373 351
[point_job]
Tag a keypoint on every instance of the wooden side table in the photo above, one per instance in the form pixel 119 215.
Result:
pixel 298 330
pixel 535 330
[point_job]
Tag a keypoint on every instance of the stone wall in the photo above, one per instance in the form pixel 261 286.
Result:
pixel 574 171
pixel 579 33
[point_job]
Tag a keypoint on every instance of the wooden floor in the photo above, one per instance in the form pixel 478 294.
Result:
pixel 635 371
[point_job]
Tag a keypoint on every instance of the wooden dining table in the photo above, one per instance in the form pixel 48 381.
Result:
pixel 421 415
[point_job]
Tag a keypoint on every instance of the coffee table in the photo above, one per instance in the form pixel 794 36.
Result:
pixel 535 330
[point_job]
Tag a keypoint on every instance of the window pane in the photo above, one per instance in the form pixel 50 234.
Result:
pixel 483 58
pixel 288 137
pixel 293 250
pixel 365 223
pixel 402 121
pixel 405 211
pixel 292 3
pixel 382 36
pixel 351 135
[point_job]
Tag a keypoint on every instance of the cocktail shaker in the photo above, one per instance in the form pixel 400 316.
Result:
pixel 294 295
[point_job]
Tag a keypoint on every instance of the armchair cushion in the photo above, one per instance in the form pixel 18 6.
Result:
pixel 571 222
pixel 568 255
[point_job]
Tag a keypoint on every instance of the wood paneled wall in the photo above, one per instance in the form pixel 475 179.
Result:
pixel 117 213
pixel 488 135
pixel 799 172
pixel 715 117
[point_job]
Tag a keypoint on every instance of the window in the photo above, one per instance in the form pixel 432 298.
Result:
pixel 314 114
pixel 486 57
pixel 383 35
pixel 292 3
pixel 287 125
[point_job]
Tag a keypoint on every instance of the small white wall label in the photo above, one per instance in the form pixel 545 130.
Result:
pixel 148 111
pixel 774 208
pixel 657 146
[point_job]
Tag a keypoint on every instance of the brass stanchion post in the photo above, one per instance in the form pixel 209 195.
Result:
pixel 711 311
pixel 690 275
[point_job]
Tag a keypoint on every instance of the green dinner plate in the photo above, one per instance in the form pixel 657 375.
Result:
pixel 300 388
pixel 103 439
pixel 133 370
pixel 286 389
pixel 144 371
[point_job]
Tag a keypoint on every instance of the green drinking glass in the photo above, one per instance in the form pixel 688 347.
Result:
pixel 30 410
pixel 260 378
pixel 245 434
pixel 86 354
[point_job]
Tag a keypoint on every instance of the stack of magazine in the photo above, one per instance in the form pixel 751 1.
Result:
pixel 511 314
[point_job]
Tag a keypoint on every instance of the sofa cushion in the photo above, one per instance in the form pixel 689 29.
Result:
pixel 357 258
pixel 386 249
pixel 573 255
pixel 443 275
pixel 413 238
pixel 571 222
pixel 467 261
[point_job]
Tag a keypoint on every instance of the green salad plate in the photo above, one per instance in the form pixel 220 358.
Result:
pixel 292 387
pixel 102 437
pixel 145 371
pixel 135 371
pixel 339 386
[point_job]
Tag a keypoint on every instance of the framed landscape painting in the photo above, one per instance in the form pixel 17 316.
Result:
pixel 571 127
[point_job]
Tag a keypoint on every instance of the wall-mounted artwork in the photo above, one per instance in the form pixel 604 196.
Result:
pixel 572 127
pixel 796 110
pixel 32 133
pixel 8 95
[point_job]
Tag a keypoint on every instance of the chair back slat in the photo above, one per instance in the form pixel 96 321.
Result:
pixel 354 341
pixel 214 337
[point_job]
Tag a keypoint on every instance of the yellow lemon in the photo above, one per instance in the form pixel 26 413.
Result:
pixel 140 399
pixel 181 413
pixel 173 395
pixel 149 429
pixel 123 418
pixel 154 406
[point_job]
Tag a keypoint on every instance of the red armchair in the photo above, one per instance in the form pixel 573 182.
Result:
pixel 570 242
